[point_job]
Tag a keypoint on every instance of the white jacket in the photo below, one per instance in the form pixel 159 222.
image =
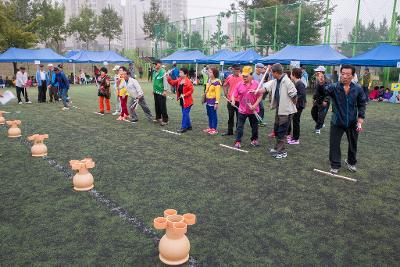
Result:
pixel 21 79
pixel 134 88
pixel 287 91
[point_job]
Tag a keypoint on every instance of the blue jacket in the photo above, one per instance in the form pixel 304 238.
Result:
pixel 346 108
pixel 51 75
pixel 39 80
pixel 62 80
pixel 175 73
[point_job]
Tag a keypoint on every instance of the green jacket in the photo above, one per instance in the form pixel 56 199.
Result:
pixel 158 81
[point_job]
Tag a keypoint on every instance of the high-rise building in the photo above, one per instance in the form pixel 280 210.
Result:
pixel 132 13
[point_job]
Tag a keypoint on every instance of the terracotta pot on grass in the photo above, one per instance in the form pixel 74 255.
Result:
pixel 39 149
pixel 174 246
pixel 83 180
pixel 14 131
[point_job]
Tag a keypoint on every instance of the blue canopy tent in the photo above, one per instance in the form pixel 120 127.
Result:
pixel 243 57
pixel 218 57
pixel 384 55
pixel 308 55
pixel 183 57
pixel 31 55
pixel 84 56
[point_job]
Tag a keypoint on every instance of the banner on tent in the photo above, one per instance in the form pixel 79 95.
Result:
pixel 395 86
pixel 398 64
pixel 295 64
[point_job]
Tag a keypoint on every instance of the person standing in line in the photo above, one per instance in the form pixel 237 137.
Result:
pixel 366 81
pixel 63 86
pixel 21 84
pixel 321 103
pixel 136 96
pixel 104 92
pixel 140 72
pixel 52 84
pixel 41 79
pixel 117 101
pixel 123 93
pixel 211 98
pixel 184 94
pixel 131 69
pixel 258 76
pixel 160 94
pixel 304 76
pixel 248 105
pixel 174 74
pixel 349 102
pixel 284 96
pixel 300 105
pixel 229 86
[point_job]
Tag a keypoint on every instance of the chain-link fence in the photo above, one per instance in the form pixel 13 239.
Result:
pixel 271 28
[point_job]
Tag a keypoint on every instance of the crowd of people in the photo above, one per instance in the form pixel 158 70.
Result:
pixel 245 91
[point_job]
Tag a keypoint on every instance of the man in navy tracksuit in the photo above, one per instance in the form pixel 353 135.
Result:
pixel 348 100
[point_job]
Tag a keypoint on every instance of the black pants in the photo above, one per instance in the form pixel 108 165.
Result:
pixel 334 144
pixel 240 125
pixel 366 92
pixel 24 92
pixel 296 125
pixel 53 93
pixel 42 90
pixel 318 113
pixel 232 111
pixel 280 128
pixel 160 102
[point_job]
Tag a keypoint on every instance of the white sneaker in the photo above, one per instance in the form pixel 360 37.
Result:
pixel 20 102
pixel 318 131
pixel 29 102
pixel 116 113
pixel 65 108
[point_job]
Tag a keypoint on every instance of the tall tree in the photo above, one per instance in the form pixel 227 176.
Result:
pixel 52 29
pixel 110 24
pixel 85 26
pixel 367 37
pixel 264 11
pixel 15 32
pixel 154 22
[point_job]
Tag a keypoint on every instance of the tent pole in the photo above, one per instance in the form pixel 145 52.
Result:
pixel 196 72
pixel 73 70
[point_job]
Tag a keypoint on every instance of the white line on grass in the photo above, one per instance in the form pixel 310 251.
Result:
pixel 336 175
pixel 234 148
pixel 170 132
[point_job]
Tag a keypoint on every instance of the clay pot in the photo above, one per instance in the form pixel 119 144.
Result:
pixel 14 131
pixel 38 149
pixel 174 246
pixel 83 180
pixel 2 120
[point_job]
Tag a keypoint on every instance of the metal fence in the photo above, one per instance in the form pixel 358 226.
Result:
pixel 351 26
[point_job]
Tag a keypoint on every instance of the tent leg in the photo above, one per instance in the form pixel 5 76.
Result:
pixel 196 73
pixel 73 70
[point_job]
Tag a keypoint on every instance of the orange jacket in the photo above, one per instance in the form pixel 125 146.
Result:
pixel 187 90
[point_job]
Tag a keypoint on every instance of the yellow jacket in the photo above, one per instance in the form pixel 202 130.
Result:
pixel 122 91
pixel 213 90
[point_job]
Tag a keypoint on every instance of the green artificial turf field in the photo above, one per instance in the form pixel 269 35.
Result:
pixel 252 210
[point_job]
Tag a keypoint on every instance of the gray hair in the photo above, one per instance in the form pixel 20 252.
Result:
pixel 277 68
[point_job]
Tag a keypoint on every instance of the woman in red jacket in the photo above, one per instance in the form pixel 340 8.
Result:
pixel 184 95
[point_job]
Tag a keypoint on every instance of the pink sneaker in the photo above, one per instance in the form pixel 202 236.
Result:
pixel 271 135
pixel 237 144
pixel 289 137
pixel 293 142
pixel 213 132
pixel 206 130
pixel 120 118
pixel 255 143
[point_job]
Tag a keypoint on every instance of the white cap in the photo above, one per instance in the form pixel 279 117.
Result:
pixel 320 69
pixel 116 67
pixel 50 65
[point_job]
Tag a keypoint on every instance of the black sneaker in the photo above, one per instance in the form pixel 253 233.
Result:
pixel 182 131
pixel 280 155
pixel 190 128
